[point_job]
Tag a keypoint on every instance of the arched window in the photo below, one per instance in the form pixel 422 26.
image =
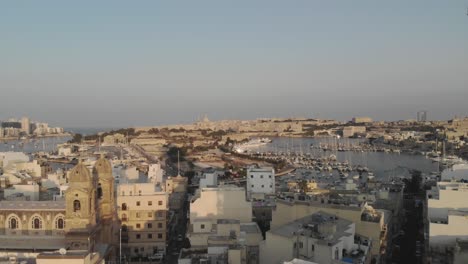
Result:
pixel 60 223
pixel 76 206
pixel 124 207
pixel 99 191
pixel 13 222
pixel 36 223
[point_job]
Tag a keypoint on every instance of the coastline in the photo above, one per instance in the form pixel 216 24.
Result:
pixel 4 139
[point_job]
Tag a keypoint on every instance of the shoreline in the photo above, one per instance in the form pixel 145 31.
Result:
pixel 4 139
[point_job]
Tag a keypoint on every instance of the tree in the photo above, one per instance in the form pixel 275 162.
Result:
pixel 303 186
pixel 76 138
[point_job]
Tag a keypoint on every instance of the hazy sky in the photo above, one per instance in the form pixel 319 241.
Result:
pixel 124 63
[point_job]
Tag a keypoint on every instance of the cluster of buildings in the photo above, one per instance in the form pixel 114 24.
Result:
pixel 267 222
pixel 96 211
pixel 14 128
pixel 446 228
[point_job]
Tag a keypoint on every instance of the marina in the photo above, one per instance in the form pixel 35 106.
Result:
pixel 384 165
pixel 45 144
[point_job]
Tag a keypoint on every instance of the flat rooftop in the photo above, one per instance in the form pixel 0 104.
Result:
pixel 33 205
pixel 307 226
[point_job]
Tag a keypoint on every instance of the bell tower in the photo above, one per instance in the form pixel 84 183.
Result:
pixel 80 214
pixel 105 187
pixel 106 201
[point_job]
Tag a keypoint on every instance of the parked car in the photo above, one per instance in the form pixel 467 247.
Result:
pixel 157 256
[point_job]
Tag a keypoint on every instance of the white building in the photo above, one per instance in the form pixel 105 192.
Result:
pixel 222 215
pixel 209 179
pixel 260 181
pixel 156 173
pixel 26 125
pixel 30 191
pixel 320 237
pixel 54 180
pixel 456 173
pixel 447 214
pixel 12 157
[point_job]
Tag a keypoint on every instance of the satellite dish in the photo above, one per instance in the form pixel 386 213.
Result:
pixel 62 251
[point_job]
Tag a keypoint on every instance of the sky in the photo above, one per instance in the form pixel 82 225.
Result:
pixel 141 63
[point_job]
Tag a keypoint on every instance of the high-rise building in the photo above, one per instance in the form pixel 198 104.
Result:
pixel 26 125
pixel 422 116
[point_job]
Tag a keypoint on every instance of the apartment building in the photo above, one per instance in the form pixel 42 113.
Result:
pixel 143 211
pixel 260 181
pixel 447 213
pixel 370 222
pixel 222 218
pixel 319 237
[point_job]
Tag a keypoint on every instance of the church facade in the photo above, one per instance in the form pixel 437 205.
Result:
pixel 86 220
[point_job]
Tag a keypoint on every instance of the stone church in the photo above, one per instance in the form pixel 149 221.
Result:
pixel 86 220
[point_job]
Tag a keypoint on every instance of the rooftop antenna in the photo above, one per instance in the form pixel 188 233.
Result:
pixel 178 163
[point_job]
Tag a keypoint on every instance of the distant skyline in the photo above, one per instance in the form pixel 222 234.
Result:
pixel 112 64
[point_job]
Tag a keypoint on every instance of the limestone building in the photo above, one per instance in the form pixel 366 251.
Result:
pixel 143 211
pixel 85 220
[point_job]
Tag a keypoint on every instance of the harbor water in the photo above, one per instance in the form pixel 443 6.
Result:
pixel 46 144
pixel 383 165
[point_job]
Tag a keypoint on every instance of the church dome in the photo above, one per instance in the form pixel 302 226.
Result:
pixel 80 173
pixel 103 167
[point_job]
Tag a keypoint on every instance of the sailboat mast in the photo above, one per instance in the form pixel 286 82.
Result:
pixel 178 163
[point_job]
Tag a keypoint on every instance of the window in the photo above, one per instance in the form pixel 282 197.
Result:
pixel 36 223
pixel 76 206
pixel 138 203
pixel 160 203
pixel 135 250
pixel 138 215
pixel 271 186
pixel 337 253
pixel 150 225
pixel 150 214
pixel 160 225
pixel 60 223
pixel 301 245
pixel 313 247
pixel 124 217
pixel 138 226
pixel 139 192
pixel 202 226
pixel 130 193
pixel 263 186
pixel 261 176
pixel 251 176
pixel 269 176
pixel 99 191
pixel 150 202
pixel 159 214
pixel 124 207
pixel 138 236
pixel 159 235
pixel 13 222
pixel 150 236
pixel 252 185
